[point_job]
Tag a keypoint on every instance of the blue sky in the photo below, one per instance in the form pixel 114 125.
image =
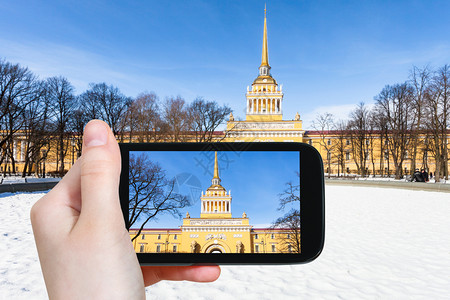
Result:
pixel 329 55
pixel 255 179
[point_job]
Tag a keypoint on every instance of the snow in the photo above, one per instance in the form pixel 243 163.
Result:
pixel 380 243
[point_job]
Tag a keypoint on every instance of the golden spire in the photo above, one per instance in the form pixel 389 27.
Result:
pixel 216 167
pixel 265 55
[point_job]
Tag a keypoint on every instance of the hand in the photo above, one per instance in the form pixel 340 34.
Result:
pixel 84 249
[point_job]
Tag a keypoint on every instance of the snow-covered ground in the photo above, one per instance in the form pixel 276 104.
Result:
pixel 380 244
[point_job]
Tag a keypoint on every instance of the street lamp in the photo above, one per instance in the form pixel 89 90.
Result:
pixel 44 155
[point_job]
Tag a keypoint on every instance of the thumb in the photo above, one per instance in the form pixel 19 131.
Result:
pixel 100 173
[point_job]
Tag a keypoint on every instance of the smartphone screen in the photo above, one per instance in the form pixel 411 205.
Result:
pixel 214 202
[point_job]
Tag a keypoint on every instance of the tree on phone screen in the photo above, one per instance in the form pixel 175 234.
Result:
pixel 151 192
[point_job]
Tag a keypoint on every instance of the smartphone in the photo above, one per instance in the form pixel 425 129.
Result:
pixel 223 203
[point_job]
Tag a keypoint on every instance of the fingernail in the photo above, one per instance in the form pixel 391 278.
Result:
pixel 95 134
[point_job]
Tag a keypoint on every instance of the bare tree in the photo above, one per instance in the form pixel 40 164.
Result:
pixel 395 105
pixel 359 133
pixel 105 102
pixel 380 125
pixel 151 192
pixel 176 118
pixel 340 147
pixel 63 104
pixel 37 129
pixel 324 123
pixel 290 222
pixel 143 118
pixel 16 93
pixel 206 116
pixel 438 120
pixel 419 80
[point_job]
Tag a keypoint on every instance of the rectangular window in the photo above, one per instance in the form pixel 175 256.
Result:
pixel 256 236
pixel 272 236
pixel 257 248
pixel 288 235
pixel 310 142
pixel 347 155
pixel 158 248
pixel 143 236
pixel 274 249
pixel 290 248
pixel 329 142
pixel 174 248
pixel 142 248
pixel 175 237
pixel 347 142
pixel 159 236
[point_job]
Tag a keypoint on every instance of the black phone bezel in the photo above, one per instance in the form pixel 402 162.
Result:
pixel 312 204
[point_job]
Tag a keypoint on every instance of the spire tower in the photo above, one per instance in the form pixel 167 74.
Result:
pixel 216 201
pixel 216 180
pixel 265 53
pixel 264 98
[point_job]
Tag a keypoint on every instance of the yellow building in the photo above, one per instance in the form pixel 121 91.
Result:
pixel 216 230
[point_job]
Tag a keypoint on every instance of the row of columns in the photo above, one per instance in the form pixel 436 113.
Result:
pixel 255 106
pixel 222 206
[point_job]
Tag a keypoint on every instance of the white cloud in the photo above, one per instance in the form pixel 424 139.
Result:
pixel 338 112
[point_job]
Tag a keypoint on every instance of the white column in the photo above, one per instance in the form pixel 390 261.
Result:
pixel 15 150
pixel 22 150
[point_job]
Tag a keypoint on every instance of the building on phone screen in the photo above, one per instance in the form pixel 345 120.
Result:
pixel 216 230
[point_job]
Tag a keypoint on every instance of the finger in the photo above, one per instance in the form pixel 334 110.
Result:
pixel 153 275
pixel 68 189
pixel 57 212
pixel 100 173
